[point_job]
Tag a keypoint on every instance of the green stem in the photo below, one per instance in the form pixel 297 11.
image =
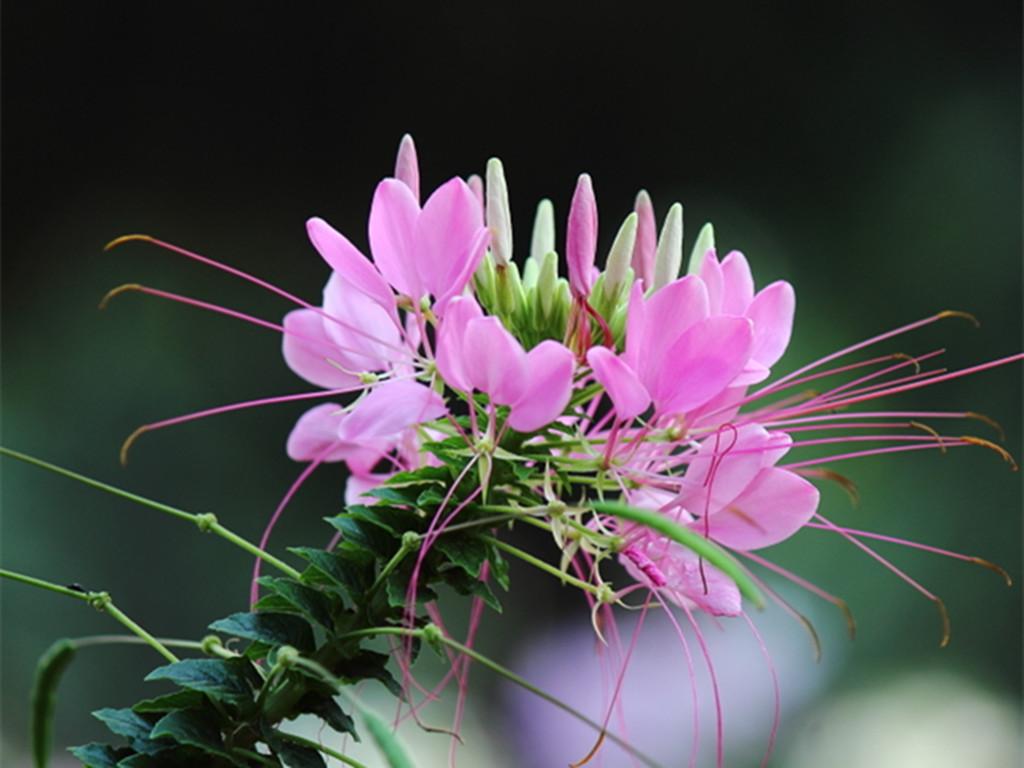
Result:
pixel 321 748
pixel 100 601
pixel 206 522
pixel 508 674
pixel 170 642
pixel 536 562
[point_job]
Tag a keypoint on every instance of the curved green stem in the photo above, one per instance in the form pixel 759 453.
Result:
pixel 206 522
pixel 321 748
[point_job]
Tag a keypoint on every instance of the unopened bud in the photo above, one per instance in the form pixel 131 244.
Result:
pixel 476 186
pixel 407 167
pixel 543 241
pixel 547 282
pixel 705 242
pixel 499 218
pixel 646 239
pixel 669 256
pixel 581 238
pixel 620 255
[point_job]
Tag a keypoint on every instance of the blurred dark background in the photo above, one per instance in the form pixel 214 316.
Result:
pixel 870 153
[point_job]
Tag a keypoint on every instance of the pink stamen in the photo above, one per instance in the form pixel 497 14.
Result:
pixel 777 717
pixel 693 678
pixel 716 695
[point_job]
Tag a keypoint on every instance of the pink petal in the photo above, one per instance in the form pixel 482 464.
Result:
pixel 720 409
pixel 307 349
pixel 345 258
pixel 315 435
pixel 549 368
pixel 711 274
pixel 393 217
pixel 494 361
pixel 672 311
pixel 741 455
pixel 646 240
pixel 753 373
pixel 448 238
pixel 391 407
pixel 772 312
pixel 774 507
pixel 636 326
pixel 451 340
pixel 407 166
pixel 702 363
pixel 367 334
pixel 737 284
pixel 581 238
pixel 461 279
pixel 622 385
pixel 358 485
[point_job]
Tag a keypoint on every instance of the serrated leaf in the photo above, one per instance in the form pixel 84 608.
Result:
pixel 229 680
pixel 467 552
pixel 177 700
pixel 368 665
pixel 49 669
pixel 370 537
pixel 327 709
pixel 387 742
pixel 308 601
pixel 464 584
pixel 124 722
pixel 291 754
pixel 392 519
pixel 192 728
pixel 96 755
pixel 422 476
pixel 394 495
pixel 499 568
pixel 270 628
pixel 353 574
pixel 397 585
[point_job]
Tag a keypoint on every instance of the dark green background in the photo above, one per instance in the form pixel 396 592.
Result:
pixel 869 154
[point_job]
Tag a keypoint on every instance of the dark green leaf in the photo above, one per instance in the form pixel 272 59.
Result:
pixel 49 669
pixel 395 520
pixel 499 567
pixel 176 700
pixel 96 755
pixel 191 728
pixel 327 709
pixel 397 586
pixel 467 552
pixel 368 664
pixel 269 628
pixel 421 476
pixel 291 754
pixel 124 722
pixel 308 601
pixel 394 495
pixel 352 573
pixel 465 584
pixel 228 680
pixel 370 537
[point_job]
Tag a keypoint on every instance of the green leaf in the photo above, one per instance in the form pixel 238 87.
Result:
pixel 270 628
pixel 177 700
pixel 499 567
pixel 353 574
pixel 327 709
pixel 370 537
pixel 692 540
pixel 229 680
pixel 395 520
pixel 124 722
pixel 397 584
pixel 387 742
pixel 465 584
pixel 467 552
pixel 368 664
pixel 192 728
pixel 96 755
pixel 291 754
pixel 43 700
pixel 310 602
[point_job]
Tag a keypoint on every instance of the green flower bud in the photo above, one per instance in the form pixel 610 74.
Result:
pixel 499 218
pixel 669 256
pixel 619 256
pixel 705 242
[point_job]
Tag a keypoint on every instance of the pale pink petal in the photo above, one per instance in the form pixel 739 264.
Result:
pixel 738 456
pixel 461 279
pixel 494 361
pixel 407 166
pixel 581 237
pixel 702 363
pixel 646 243
pixel 671 311
pixel 362 328
pixel 393 217
pixel 315 435
pixel 549 368
pixel 753 373
pixel 354 267
pixel 711 274
pixel 720 409
pixel 774 507
pixel 737 284
pixel 451 339
pixel 620 382
pixel 310 352
pixel 358 485
pixel 390 408
pixel 772 312
pixel 447 238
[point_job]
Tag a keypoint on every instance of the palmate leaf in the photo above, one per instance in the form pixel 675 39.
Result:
pixel 310 602
pixel 193 728
pixel 692 540
pixel 44 697
pixel 272 629
pixel 96 755
pixel 351 572
pixel 228 680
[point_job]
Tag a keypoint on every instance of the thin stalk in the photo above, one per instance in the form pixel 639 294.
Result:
pixel 205 522
pixel 321 748
pixel 536 562
pixel 100 601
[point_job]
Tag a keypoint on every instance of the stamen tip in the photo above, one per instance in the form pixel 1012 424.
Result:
pixel 994 568
pixel 129 442
pixel 990 421
pixel 117 291
pixel 946 627
pixel 957 313
pixel 126 239
pixel 983 443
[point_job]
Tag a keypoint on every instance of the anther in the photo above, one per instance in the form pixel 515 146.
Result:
pixel 931 431
pixel 957 313
pixel 988 420
pixel 980 441
pixel 129 441
pixel 126 239
pixel 117 292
